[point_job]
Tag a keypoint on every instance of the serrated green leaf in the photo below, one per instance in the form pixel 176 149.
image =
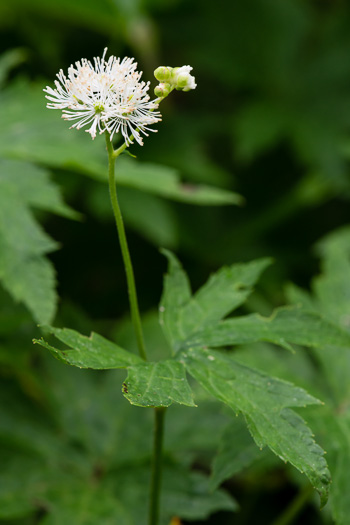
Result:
pixel 158 384
pixel 157 345
pixel 176 293
pixel 189 496
pixel 334 430
pixel 88 352
pixel 265 403
pixel 24 271
pixel 28 484
pixel 301 298
pixel 29 279
pixel 182 314
pixel 338 241
pixel 82 411
pixel 18 228
pixel 165 182
pixel 285 326
pixel 22 424
pixel 332 298
pixel 237 451
pixel 32 185
pixel 332 426
pixel 339 432
pixel 87 458
pixel 296 367
pixel 221 294
pixel 84 504
pixel 185 494
pixel 18 492
pixel 208 419
pixel 30 131
pixel 332 287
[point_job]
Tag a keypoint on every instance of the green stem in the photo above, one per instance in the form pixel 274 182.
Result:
pixel 120 150
pixel 135 313
pixel 156 465
pixel 291 512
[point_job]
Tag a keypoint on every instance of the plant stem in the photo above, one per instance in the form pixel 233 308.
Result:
pixel 135 313
pixel 156 465
pixel 295 507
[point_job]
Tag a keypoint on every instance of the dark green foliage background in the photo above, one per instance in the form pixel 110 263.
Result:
pixel 269 119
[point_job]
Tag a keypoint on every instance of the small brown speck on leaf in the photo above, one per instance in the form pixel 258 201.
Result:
pixel 189 188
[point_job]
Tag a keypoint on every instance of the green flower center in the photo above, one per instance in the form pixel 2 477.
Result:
pixel 99 108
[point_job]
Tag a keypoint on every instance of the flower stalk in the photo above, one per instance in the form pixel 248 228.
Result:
pixel 134 308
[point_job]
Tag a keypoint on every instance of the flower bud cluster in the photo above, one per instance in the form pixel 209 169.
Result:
pixel 170 78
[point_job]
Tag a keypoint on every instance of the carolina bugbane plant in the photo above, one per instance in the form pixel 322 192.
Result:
pixel 110 98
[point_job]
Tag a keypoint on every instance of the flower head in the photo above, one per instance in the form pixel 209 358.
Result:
pixel 107 95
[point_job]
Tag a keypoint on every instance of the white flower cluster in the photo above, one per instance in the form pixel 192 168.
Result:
pixel 107 95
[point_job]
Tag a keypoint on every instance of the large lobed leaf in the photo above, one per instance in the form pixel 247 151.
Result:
pixel 25 272
pixel 148 384
pixel 331 296
pixel 285 326
pixel 182 314
pixel 237 451
pixel 88 352
pixel 158 384
pixel 190 321
pixel 74 501
pixel 192 324
pixel 333 427
pixel 184 494
pixel 265 403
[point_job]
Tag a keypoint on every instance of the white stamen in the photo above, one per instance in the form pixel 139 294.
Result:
pixel 107 95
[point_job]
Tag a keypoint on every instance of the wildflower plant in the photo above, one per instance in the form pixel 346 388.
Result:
pixel 108 97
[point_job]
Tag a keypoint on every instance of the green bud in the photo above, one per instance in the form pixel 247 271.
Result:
pixel 174 71
pixel 162 90
pixel 182 80
pixel 163 73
